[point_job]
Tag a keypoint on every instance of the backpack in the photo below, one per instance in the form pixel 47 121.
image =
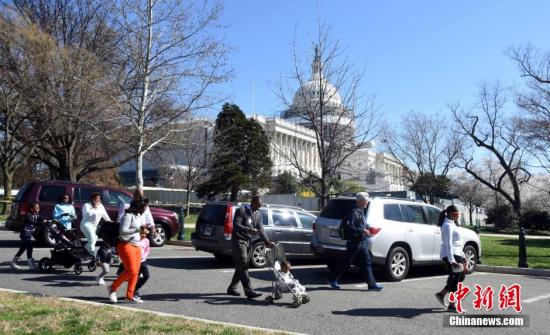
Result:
pixel 344 230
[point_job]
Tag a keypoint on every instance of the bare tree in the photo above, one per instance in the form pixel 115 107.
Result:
pixel 184 155
pixel 490 130
pixel 471 192
pixel 329 103
pixel 53 48
pixel 170 59
pixel 427 146
pixel 534 67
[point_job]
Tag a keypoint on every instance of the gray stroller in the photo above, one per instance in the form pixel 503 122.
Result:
pixel 274 257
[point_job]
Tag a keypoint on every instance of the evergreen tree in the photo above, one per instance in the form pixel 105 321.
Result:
pixel 240 155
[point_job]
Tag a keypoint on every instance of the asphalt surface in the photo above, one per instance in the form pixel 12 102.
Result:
pixel 186 282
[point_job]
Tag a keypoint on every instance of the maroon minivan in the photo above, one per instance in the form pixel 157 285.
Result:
pixel 46 194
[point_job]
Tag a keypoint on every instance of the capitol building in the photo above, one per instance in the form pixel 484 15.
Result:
pixel 294 142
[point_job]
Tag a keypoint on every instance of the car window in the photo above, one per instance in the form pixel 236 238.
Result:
pixel 338 209
pixel 414 214
pixel 283 217
pixel 50 193
pixel 82 194
pixel 392 212
pixel 265 217
pixel 22 192
pixel 433 215
pixel 213 214
pixel 306 220
pixel 116 196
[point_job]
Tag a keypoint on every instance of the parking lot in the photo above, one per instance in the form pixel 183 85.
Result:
pixel 186 282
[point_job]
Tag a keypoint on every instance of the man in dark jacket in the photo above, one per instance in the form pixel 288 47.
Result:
pixel 247 224
pixel 356 246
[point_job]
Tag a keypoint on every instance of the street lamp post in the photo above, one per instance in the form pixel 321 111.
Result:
pixel 522 249
pixel 181 219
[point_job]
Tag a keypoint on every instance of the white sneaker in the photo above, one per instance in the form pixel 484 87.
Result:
pixel 31 263
pixel 112 295
pixel 14 265
pixel 134 300
pixel 100 281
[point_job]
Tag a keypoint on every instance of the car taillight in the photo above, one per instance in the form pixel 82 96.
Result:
pixel 374 231
pixel 24 208
pixel 314 227
pixel 228 224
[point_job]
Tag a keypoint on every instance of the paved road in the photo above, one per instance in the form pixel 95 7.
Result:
pixel 192 283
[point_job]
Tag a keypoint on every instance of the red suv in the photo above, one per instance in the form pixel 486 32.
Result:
pixel 46 193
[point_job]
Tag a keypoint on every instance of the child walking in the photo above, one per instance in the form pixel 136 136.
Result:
pixel 143 269
pixel 32 220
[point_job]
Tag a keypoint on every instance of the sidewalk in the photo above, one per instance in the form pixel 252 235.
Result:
pixel 534 237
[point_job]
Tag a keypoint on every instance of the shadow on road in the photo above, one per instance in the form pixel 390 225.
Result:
pixel 198 263
pixel 65 280
pixel 405 313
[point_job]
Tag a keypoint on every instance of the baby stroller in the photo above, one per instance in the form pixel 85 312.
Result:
pixel 109 232
pixel 66 252
pixel 274 257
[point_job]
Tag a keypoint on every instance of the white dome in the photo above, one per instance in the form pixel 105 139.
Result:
pixel 311 92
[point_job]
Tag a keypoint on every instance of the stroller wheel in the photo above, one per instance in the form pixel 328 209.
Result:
pixel 78 269
pixel 116 260
pixel 269 299
pixel 305 299
pixel 92 266
pixel 296 303
pixel 45 265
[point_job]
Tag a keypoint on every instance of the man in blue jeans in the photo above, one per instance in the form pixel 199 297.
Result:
pixel 356 246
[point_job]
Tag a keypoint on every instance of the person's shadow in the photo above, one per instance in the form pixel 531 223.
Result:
pixel 405 313
pixel 208 298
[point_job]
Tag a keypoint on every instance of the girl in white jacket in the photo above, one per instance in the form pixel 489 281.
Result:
pixel 92 213
pixel 452 252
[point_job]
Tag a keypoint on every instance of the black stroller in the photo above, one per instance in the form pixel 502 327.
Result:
pixel 68 251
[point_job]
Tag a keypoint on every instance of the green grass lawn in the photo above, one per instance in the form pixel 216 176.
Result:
pixel 191 219
pixel 26 314
pixel 504 252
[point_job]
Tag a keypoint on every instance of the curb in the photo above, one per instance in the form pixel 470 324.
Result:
pixel 180 243
pixel 513 271
pixel 221 323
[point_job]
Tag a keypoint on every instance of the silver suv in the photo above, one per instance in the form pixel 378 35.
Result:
pixel 408 235
pixel 290 226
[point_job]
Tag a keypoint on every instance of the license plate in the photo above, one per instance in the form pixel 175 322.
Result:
pixel 207 231
pixel 334 233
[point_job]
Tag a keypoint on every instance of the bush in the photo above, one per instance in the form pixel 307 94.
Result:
pixel 535 219
pixel 501 217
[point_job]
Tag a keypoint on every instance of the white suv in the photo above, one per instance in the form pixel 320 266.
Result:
pixel 408 235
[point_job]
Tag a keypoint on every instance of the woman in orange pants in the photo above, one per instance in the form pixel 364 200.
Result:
pixel 129 251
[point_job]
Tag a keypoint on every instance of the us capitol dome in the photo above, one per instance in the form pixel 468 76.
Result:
pixel 315 94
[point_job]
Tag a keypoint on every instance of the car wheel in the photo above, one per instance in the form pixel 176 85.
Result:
pixel 47 238
pixel 159 239
pixel 471 258
pixel 397 264
pixel 258 255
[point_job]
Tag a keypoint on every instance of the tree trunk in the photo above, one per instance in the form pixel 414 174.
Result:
pixel 234 193
pixel 188 195
pixel 139 171
pixel 471 212
pixel 8 180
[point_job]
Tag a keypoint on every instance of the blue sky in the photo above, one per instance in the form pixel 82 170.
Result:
pixel 417 55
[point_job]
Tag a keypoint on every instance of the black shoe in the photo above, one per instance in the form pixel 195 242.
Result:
pixel 232 292
pixel 253 295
